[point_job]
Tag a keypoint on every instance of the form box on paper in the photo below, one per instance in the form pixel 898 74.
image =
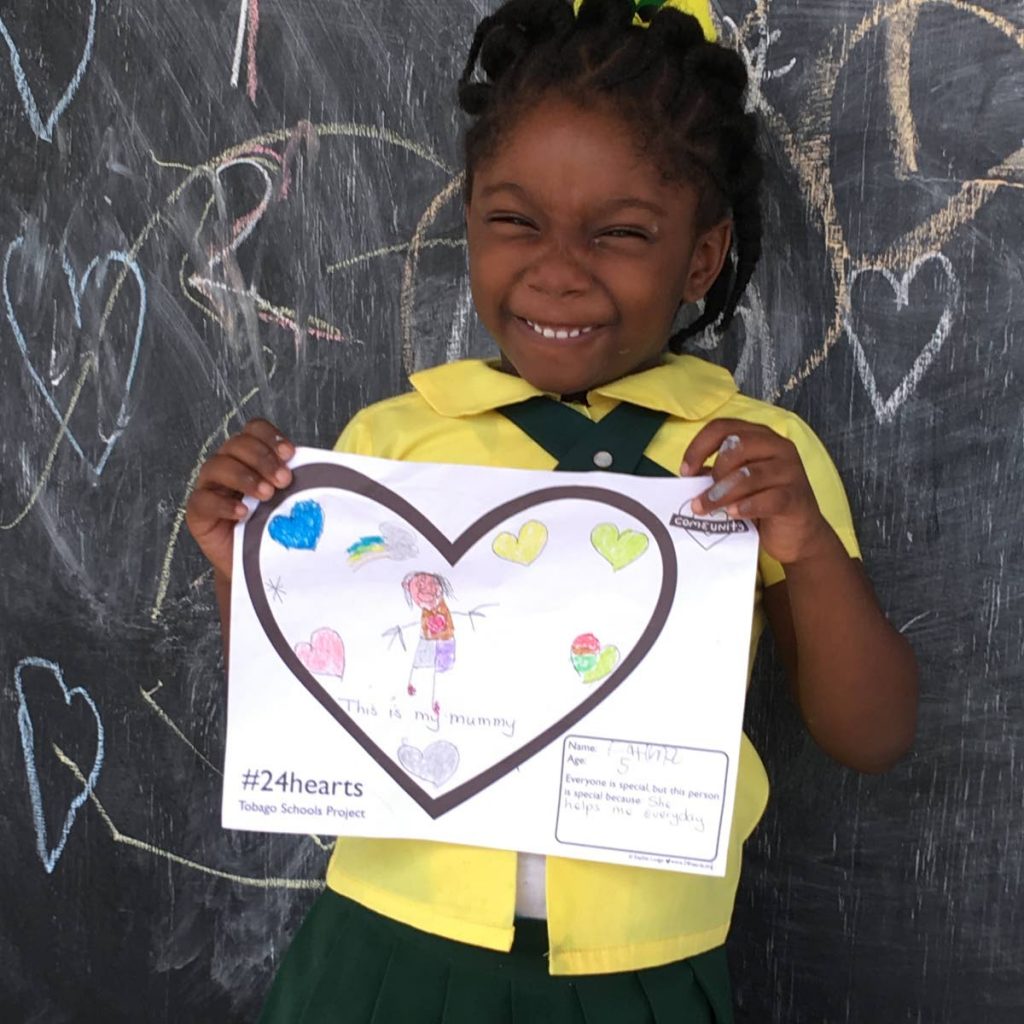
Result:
pixel 660 803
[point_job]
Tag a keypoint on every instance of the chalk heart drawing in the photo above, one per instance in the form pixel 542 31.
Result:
pixel 327 477
pixel 48 854
pixel 437 762
pixel 524 548
pixel 95 273
pixel 619 549
pixel 44 129
pixel 301 528
pixel 324 654
pixel 887 406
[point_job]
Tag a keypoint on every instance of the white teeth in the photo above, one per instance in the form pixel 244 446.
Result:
pixel 553 332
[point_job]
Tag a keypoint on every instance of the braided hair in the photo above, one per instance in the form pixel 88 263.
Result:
pixel 681 96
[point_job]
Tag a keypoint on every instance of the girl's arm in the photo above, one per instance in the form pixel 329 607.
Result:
pixel 854 676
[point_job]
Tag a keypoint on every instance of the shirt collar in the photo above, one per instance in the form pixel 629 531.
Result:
pixel 683 386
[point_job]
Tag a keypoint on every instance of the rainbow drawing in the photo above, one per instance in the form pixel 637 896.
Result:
pixel 392 542
pixel 366 549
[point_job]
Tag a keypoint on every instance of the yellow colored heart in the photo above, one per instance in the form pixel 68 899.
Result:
pixel 525 548
pixel 619 549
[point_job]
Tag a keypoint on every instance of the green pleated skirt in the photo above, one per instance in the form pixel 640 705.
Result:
pixel 350 965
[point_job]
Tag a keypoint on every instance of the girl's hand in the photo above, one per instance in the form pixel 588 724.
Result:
pixel 251 463
pixel 758 475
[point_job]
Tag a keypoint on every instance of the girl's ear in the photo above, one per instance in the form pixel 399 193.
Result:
pixel 707 260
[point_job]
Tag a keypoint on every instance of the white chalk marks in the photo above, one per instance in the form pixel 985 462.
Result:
pixel 887 406
pixel 248 25
pixel 50 854
pixel 95 273
pixel 806 138
pixel 44 129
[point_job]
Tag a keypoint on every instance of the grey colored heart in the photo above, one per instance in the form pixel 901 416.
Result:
pixel 436 763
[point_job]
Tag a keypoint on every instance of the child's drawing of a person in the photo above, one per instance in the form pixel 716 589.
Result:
pixel 436 648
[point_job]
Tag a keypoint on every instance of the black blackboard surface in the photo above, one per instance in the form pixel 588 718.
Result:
pixel 210 210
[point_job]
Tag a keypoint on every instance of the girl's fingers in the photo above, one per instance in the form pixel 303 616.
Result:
pixel 208 507
pixel 266 432
pixel 226 472
pixel 762 505
pixel 739 486
pixel 734 442
pixel 254 453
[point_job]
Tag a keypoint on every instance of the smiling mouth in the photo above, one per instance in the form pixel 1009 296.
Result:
pixel 560 331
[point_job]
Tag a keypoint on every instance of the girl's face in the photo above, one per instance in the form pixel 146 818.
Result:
pixel 425 590
pixel 580 253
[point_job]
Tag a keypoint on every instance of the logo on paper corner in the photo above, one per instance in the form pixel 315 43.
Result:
pixel 707 530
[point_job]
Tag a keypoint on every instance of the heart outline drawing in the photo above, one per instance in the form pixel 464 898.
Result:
pixel 28 99
pixel 886 408
pixel 77 288
pixel 50 856
pixel 335 477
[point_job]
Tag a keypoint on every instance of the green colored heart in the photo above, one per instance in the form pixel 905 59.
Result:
pixel 606 661
pixel 619 549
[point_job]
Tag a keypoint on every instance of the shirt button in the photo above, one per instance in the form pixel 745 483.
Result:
pixel 603 459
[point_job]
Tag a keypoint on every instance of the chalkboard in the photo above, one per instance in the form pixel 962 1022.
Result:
pixel 251 206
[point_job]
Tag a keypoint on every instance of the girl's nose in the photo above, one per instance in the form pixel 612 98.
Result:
pixel 557 272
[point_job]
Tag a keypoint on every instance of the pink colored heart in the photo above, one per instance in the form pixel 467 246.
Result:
pixel 324 654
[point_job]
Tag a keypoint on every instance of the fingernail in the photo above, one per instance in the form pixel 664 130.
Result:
pixel 698 506
pixel 241 511
pixel 721 489
pixel 685 470
pixel 264 490
pixel 731 443
pixel 281 477
pixel 284 449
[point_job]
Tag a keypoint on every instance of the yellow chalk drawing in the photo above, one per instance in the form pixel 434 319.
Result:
pixel 119 837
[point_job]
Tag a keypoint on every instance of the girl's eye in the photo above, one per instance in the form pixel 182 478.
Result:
pixel 623 233
pixel 512 219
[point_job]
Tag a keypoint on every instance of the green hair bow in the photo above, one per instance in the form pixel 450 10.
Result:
pixel 700 9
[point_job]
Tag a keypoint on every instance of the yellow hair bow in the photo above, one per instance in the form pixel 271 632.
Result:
pixel 700 9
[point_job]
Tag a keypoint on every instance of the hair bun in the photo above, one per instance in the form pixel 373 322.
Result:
pixel 709 61
pixel 503 46
pixel 474 97
pixel 605 15
pixel 676 29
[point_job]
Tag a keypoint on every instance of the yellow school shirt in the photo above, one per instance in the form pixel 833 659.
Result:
pixel 601 917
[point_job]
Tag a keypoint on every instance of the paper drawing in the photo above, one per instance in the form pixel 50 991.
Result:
pixel 392 542
pixel 592 661
pixel 382 572
pixel 435 763
pixel 435 647
pixel 525 548
pixel 301 528
pixel 324 654
pixel 618 548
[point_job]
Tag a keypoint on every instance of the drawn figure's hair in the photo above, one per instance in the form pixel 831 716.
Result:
pixel 442 582
pixel 682 97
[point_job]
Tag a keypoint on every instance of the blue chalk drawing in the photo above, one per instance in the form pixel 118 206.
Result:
pixel 77 289
pixel 44 130
pixel 50 855
pixel 301 528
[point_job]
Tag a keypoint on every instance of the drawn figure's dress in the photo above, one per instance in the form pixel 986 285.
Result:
pixel 436 648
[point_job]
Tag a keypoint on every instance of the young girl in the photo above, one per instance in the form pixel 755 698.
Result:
pixel 611 180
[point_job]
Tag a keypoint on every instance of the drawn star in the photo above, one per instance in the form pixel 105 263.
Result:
pixel 276 589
